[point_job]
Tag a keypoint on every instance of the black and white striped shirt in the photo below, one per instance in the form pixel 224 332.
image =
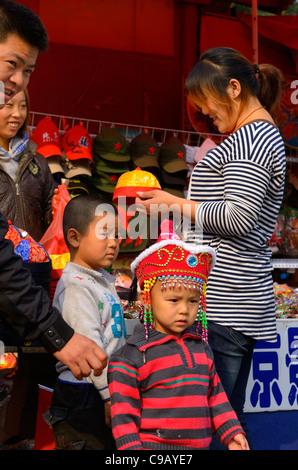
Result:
pixel 240 187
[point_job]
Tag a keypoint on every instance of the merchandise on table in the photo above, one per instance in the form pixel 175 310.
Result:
pixel 286 301
pixel 284 241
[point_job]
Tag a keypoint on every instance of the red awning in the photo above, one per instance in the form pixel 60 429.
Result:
pixel 282 28
pixel 278 40
pixel 270 4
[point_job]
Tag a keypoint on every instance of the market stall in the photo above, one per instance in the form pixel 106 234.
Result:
pixel 126 65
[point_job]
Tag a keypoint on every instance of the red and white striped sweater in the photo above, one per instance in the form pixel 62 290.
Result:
pixel 166 394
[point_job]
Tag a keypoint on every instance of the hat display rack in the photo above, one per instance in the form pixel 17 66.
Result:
pixel 94 154
pixel 159 158
pixel 94 127
pixel 101 171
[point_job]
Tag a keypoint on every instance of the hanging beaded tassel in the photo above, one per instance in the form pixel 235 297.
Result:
pixel 148 318
pixel 201 317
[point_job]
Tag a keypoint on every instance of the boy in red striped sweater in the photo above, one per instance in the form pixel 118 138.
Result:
pixel 165 392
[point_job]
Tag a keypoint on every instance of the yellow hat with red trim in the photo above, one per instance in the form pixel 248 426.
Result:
pixel 131 182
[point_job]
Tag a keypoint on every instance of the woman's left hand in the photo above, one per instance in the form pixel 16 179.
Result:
pixel 153 200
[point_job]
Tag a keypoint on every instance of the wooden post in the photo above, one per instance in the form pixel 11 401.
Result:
pixel 255 46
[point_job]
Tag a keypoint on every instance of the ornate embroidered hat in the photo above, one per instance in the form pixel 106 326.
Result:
pixel 174 262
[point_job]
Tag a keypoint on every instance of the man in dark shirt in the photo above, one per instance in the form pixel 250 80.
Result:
pixel 23 305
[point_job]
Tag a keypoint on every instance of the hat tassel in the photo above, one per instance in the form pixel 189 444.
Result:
pixel 201 316
pixel 148 317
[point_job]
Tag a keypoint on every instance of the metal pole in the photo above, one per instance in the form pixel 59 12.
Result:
pixel 255 46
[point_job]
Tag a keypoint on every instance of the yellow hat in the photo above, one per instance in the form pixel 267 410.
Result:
pixel 131 182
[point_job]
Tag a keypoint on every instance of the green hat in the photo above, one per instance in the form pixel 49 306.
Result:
pixel 101 165
pixel 105 182
pixel 111 145
pixel 144 151
pixel 172 155
pixel 179 178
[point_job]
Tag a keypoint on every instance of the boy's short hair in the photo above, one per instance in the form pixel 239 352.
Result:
pixel 80 212
pixel 20 20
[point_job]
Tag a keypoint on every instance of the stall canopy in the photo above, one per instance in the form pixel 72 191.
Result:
pixel 126 60
pixel 281 29
pixel 278 45
pixel 278 38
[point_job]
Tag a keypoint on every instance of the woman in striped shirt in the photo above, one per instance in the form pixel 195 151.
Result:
pixel 234 198
pixel 165 392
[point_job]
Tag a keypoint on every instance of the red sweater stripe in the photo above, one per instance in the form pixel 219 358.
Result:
pixel 172 423
pixel 186 401
pixel 166 394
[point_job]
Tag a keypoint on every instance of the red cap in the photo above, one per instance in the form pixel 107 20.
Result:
pixel 47 137
pixel 77 143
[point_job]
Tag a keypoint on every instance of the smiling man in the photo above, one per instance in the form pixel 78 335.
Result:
pixel 22 38
pixel 23 305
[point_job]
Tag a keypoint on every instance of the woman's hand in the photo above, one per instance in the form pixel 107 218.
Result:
pixel 161 201
pixel 152 199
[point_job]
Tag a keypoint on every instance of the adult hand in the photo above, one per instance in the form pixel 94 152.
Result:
pixel 161 201
pixel 81 355
pixel 153 200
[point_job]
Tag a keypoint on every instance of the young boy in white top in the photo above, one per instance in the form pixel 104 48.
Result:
pixel 87 297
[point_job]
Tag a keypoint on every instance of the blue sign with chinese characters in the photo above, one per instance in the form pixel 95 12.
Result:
pixel 273 380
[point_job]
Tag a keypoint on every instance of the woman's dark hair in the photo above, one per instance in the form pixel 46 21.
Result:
pixel 20 20
pixel 80 212
pixel 216 67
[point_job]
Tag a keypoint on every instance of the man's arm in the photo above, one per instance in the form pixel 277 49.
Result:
pixel 27 309
pixel 82 355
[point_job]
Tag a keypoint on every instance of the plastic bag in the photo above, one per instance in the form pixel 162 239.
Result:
pixel 53 239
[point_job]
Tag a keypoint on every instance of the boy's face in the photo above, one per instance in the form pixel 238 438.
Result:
pixel 174 309
pixel 17 62
pixel 99 247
